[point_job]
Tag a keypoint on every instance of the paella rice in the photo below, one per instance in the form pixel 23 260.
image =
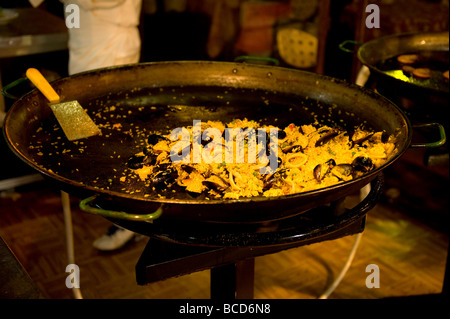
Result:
pixel 308 157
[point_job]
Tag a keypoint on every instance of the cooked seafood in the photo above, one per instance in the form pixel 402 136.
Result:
pixel 306 157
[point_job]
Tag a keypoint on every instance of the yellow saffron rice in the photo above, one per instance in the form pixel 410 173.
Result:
pixel 309 157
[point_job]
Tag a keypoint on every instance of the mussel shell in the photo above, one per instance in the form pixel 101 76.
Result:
pixel 317 172
pixel 135 161
pixel 292 149
pixel 281 135
pixel 279 162
pixel 188 169
pixel 147 149
pixel 321 170
pixel 270 179
pixel 362 139
pixel 362 165
pixel 205 141
pixel 216 183
pixel 187 150
pixel 163 176
pixel 327 136
pixel 342 170
pixel 150 159
pixel 331 162
pixel 268 182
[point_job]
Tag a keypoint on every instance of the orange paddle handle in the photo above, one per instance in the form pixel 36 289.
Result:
pixel 42 84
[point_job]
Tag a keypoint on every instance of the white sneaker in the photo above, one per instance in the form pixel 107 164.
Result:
pixel 115 238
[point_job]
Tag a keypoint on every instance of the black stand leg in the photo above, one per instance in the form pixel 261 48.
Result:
pixel 446 284
pixel 233 281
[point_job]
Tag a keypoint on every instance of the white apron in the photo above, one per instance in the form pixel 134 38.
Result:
pixel 108 34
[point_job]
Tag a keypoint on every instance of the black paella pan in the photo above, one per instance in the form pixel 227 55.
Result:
pixel 129 102
pixel 432 51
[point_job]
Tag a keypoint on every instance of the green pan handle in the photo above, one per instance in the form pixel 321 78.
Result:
pixel 244 58
pixel 438 143
pixel 343 45
pixel 86 205
pixel 9 86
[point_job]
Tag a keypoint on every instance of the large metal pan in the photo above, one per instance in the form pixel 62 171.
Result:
pixel 125 101
pixel 430 94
